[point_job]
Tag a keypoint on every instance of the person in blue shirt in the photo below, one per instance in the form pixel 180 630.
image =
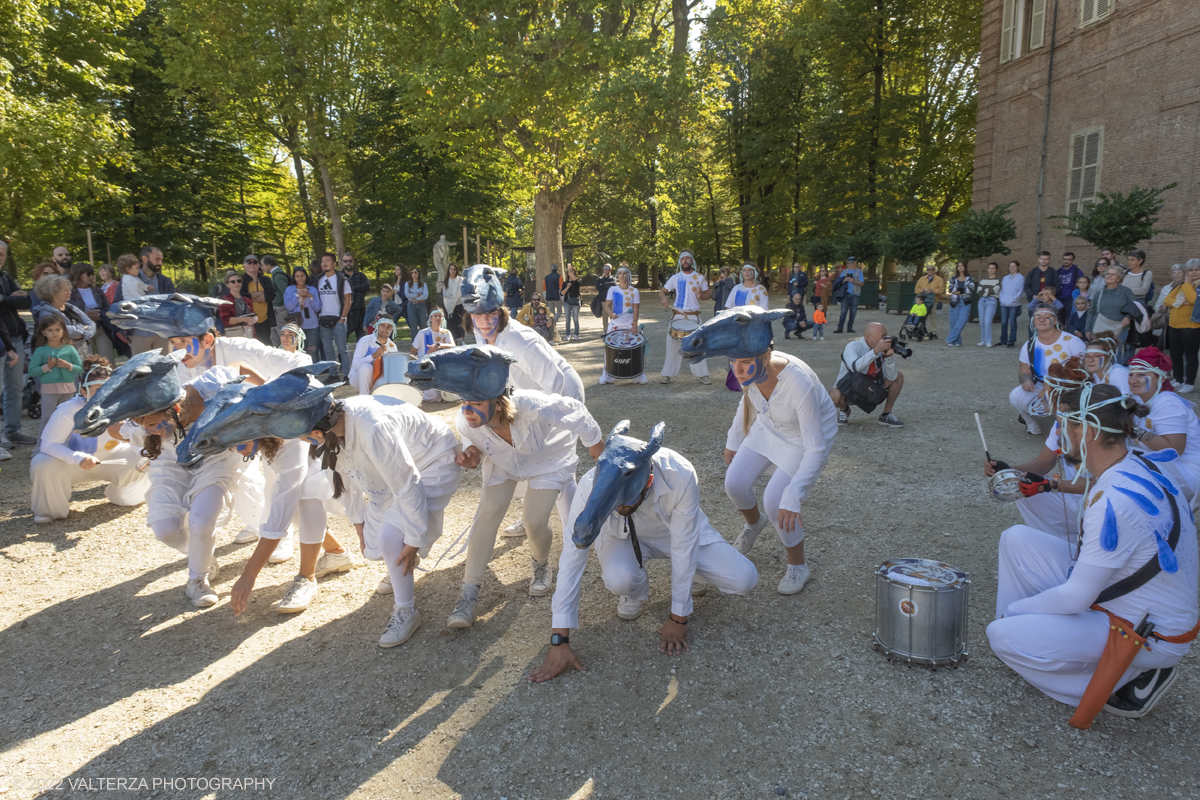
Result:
pixel 797 282
pixel 852 282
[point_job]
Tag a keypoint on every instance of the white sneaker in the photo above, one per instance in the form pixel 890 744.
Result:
pixel 979 344
pixel 699 588
pixel 1186 388
pixel 707 381
pixel 665 379
pixel 282 552
pixel 602 381
pixel 843 417
pixel 385 585
pixel 299 595
pixel 246 535
pixel 745 540
pixel 514 531
pixel 640 378
pixel 4 454
pixel 628 608
pixel 464 610
pixel 201 593
pixel 402 624
pixel 543 578
pixel 214 569
pixel 329 563
pixel 793 579
pixel 41 519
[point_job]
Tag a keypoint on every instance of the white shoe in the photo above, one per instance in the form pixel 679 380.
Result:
pixel 628 608
pixel 543 578
pixel 299 595
pixel 4 440
pixel 329 563
pixel 603 381
pixel 707 381
pixel 246 535
pixel 793 579
pixel 745 540
pixel 989 344
pixel 402 624
pixel 385 585
pixel 699 588
pixel 1186 388
pixel 665 379
pixel 214 569
pixel 282 552
pixel 514 531
pixel 979 344
pixel 4 454
pixel 640 379
pixel 464 610
pixel 201 593
pixel 41 519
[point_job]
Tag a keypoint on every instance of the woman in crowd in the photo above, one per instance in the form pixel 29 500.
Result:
pixel 93 302
pixel 1048 345
pixel 1172 422
pixel 1140 281
pixel 537 315
pixel 237 317
pixel 369 350
pixel 1183 335
pixel 65 460
pixel 301 301
pixel 452 302
pixel 383 306
pixel 571 301
pixel 430 340
pixel 988 292
pixel 823 290
pixel 416 293
pixel 961 288
pixel 1112 307
pixel 1055 607
pixel 1012 297
pixel 749 292
pixel 108 282
pixel 55 293
pixel 1102 265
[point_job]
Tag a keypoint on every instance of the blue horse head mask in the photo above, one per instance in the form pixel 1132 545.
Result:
pixel 476 373
pixel 287 407
pixel 743 332
pixel 621 476
pixel 146 383
pixel 482 290
pixel 167 315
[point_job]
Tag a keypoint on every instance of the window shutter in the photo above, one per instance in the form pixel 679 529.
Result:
pixel 1077 148
pixel 1037 24
pixel 1088 7
pixel 1091 168
pixel 1103 7
pixel 1086 150
pixel 1008 22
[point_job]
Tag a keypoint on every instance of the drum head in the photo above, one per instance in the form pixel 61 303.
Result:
pixel 400 391
pixel 1005 485
pixel 684 324
pixel 921 572
pixel 624 340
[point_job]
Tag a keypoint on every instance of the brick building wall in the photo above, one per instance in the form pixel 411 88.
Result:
pixel 1129 77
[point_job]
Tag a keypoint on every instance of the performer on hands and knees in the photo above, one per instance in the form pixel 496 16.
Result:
pixel 515 436
pixel 1056 606
pixel 640 501
pixel 786 421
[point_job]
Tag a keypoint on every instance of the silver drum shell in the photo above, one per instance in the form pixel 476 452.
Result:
pixel 921 624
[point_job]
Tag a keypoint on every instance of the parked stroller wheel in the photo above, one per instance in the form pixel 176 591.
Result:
pixel 34 412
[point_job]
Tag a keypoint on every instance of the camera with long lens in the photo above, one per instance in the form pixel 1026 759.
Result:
pixel 900 347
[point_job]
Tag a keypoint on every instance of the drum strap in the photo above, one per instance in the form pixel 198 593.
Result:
pixel 1152 567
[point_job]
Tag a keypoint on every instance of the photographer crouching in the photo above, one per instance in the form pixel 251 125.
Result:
pixel 868 375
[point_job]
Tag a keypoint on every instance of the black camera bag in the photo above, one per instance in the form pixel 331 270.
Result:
pixel 861 390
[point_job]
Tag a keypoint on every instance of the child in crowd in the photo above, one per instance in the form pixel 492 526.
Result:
pixel 1044 296
pixel 54 363
pixel 1082 285
pixel 1077 322
pixel 132 286
pixel 819 323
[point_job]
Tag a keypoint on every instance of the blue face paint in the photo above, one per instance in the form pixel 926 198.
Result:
pixel 486 324
pixel 194 346
pixel 472 411
pixel 758 373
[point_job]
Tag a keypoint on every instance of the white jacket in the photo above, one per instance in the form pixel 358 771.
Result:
pixel 794 429
pixel 538 367
pixel 673 522
pixel 270 362
pixel 364 352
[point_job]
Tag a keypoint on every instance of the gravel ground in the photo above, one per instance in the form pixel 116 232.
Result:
pixel 109 673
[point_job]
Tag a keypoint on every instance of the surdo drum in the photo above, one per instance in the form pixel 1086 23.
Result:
pixel 394 380
pixel 624 354
pixel 921 611
pixel 681 326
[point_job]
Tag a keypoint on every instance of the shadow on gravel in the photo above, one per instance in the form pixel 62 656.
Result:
pixel 63 534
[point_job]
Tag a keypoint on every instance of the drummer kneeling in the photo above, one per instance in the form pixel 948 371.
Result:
pixel 369 351
pixel 1138 556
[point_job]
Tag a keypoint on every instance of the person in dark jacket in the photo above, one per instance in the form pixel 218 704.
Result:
pixel 259 290
pixel 553 288
pixel 605 282
pixel 89 299
pixel 1043 276
pixel 1068 273
pixel 13 299
pixel 514 292
pixel 797 281
pixel 360 285
pixel 151 274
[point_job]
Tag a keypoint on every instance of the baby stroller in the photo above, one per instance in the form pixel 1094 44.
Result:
pixel 914 327
pixel 31 399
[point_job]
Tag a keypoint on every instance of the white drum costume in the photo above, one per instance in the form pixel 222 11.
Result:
pixel 690 287
pixel 55 470
pixel 425 340
pixel 624 301
pixel 1043 355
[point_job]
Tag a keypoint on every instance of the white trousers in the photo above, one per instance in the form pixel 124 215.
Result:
pixel 672 361
pixel 1020 400
pixel 717 563
pixel 746 468
pixel 196 537
pixel 493 505
pixel 1056 653
pixel 391 544
pixel 53 481
pixel 1054 512
pixel 360 378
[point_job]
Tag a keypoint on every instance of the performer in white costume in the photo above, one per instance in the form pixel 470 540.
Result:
pixel 690 287
pixel 1048 345
pixel 623 304
pixel 66 459
pixel 1172 423
pixel 1100 360
pixel 749 292
pixel 430 340
pixel 1055 605
pixel 367 351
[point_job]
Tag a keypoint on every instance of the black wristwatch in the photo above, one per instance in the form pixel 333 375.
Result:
pixel 557 638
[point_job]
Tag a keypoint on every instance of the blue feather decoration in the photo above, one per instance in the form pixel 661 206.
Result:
pixel 1142 502
pixel 1108 533
pixel 1166 556
pixel 1161 456
pixel 1166 483
pixel 1145 483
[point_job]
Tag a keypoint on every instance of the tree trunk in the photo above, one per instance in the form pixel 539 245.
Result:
pixel 744 213
pixel 335 216
pixel 712 212
pixel 316 234
pixel 876 109
pixel 549 210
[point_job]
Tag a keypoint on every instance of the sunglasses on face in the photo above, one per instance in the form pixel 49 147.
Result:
pixel 233 280
pixel 252 261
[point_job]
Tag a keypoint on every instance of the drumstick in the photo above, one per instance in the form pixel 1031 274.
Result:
pixel 979 425
pixel 116 462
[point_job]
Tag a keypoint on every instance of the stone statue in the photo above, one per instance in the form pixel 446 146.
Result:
pixel 441 257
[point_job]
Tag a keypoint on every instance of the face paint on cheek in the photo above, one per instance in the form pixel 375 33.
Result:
pixel 193 347
pixel 310 439
pixel 757 373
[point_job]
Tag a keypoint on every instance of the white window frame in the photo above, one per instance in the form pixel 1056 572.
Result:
pixel 1079 141
pixel 1036 25
pixel 1094 10
pixel 1009 41
pixel 1019 34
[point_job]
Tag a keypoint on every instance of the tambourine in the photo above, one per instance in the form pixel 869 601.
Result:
pixel 1005 485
